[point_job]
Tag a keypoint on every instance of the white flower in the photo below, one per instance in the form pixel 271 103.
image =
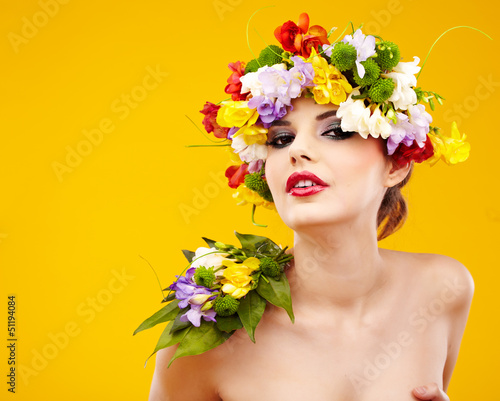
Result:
pixel 403 76
pixel 354 115
pixel 211 260
pixel 365 47
pixel 248 153
pixel 379 125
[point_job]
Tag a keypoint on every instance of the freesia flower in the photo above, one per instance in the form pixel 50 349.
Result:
pixel 365 47
pixel 234 84
pixel 406 154
pixel 402 132
pixel 331 85
pixel 237 280
pixel 452 150
pixel 236 175
pixel 186 290
pixel 205 257
pixel 300 39
pixel 378 125
pixel 403 76
pixel 236 114
pixel 195 314
pixel 420 120
pixel 209 121
pixel 243 196
pixel 354 115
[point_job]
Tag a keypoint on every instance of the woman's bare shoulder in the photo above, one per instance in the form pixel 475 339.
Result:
pixel 188 378
pixel 439 275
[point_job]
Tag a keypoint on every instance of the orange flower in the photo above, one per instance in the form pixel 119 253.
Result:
pixel 300 39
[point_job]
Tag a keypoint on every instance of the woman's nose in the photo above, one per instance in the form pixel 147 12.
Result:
pixel 301 149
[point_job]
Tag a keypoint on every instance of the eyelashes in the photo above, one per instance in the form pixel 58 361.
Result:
pixel 333 131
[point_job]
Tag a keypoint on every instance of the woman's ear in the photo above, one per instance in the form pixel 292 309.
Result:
pixel 397 173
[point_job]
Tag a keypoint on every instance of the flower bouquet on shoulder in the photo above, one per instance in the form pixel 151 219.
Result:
pixel 224 288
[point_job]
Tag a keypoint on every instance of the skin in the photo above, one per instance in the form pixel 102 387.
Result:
pixel 370 323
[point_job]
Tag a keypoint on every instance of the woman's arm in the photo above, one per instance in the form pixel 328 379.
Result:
pixel 187 379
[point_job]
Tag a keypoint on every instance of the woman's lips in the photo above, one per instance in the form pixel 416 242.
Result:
pixel 304 183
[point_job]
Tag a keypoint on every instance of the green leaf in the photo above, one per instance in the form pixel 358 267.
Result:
pixel 200 339
pixel 210 243
pixel 250 312
pixel 229 323
pixel 278 293
pixel 178 325
pixel 167 339
pixel 168 312
pixel 188 254
pixel 255 244
pixel 170 296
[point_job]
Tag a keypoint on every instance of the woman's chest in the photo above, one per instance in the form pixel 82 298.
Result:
pixel 386 359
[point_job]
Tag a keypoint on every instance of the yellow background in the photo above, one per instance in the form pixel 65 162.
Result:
pixel 67 236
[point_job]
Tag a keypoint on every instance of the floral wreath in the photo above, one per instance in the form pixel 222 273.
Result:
pixel 376 92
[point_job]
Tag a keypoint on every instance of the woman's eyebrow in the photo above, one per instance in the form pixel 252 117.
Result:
pixel 280 123
pixel 326 114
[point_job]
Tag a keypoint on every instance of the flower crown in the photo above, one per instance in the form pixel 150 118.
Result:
pixel 376 92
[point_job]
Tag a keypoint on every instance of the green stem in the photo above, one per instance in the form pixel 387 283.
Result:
pixel 253 219
pixel 157 278
pixel 202 132
pixel 248 26
pixel 444 33
pixel 207 146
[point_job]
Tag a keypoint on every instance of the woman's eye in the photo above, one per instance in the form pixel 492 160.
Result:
pixel 280 140
pixel 335 132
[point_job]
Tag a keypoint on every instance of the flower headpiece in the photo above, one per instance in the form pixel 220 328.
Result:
pixel 376 92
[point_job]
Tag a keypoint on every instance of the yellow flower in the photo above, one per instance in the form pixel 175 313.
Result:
pixel 452 150
pixel 236 114
pixel 237 280
pixel 331 85
pixel 243 195
pixel 252 134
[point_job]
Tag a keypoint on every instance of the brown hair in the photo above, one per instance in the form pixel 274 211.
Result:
pixel 393 210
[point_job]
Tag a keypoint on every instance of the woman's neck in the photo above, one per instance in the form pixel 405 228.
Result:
pixel 336 267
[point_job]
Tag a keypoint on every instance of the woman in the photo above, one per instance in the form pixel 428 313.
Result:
pixel 370 323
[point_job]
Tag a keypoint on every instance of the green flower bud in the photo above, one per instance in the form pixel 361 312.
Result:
pixel 388 55
pixel 271 55
pixel 270 267
pixel 205 277
pixel 344 56
pixel 207 306
pixel 252 66
pixel 226 306
pixel 381 90
pixel 372 73
pixel 267 195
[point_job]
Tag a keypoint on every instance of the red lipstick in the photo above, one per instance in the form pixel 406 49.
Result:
pixel 304 183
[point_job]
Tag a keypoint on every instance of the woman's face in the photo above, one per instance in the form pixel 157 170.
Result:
pixel 319 174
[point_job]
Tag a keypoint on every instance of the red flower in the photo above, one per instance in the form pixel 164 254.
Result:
pixel 210 111
pixel 299 39
pixel 405 154
pixel 236 175
pixel 234 84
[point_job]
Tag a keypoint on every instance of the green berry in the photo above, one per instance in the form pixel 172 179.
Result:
pixel 226 306
pixel 381 90
pixel 252 66
pixel 205 277
pixel 271 55
pixel 344 56
pixel 372 72
pixel 270 267
pixel 388 55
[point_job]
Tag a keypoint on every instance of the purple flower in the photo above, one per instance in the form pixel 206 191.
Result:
pixel 195 314
pixel 302 71
pixel 402 132
pixel 231 132
pixel 420 120
pixel 186 290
